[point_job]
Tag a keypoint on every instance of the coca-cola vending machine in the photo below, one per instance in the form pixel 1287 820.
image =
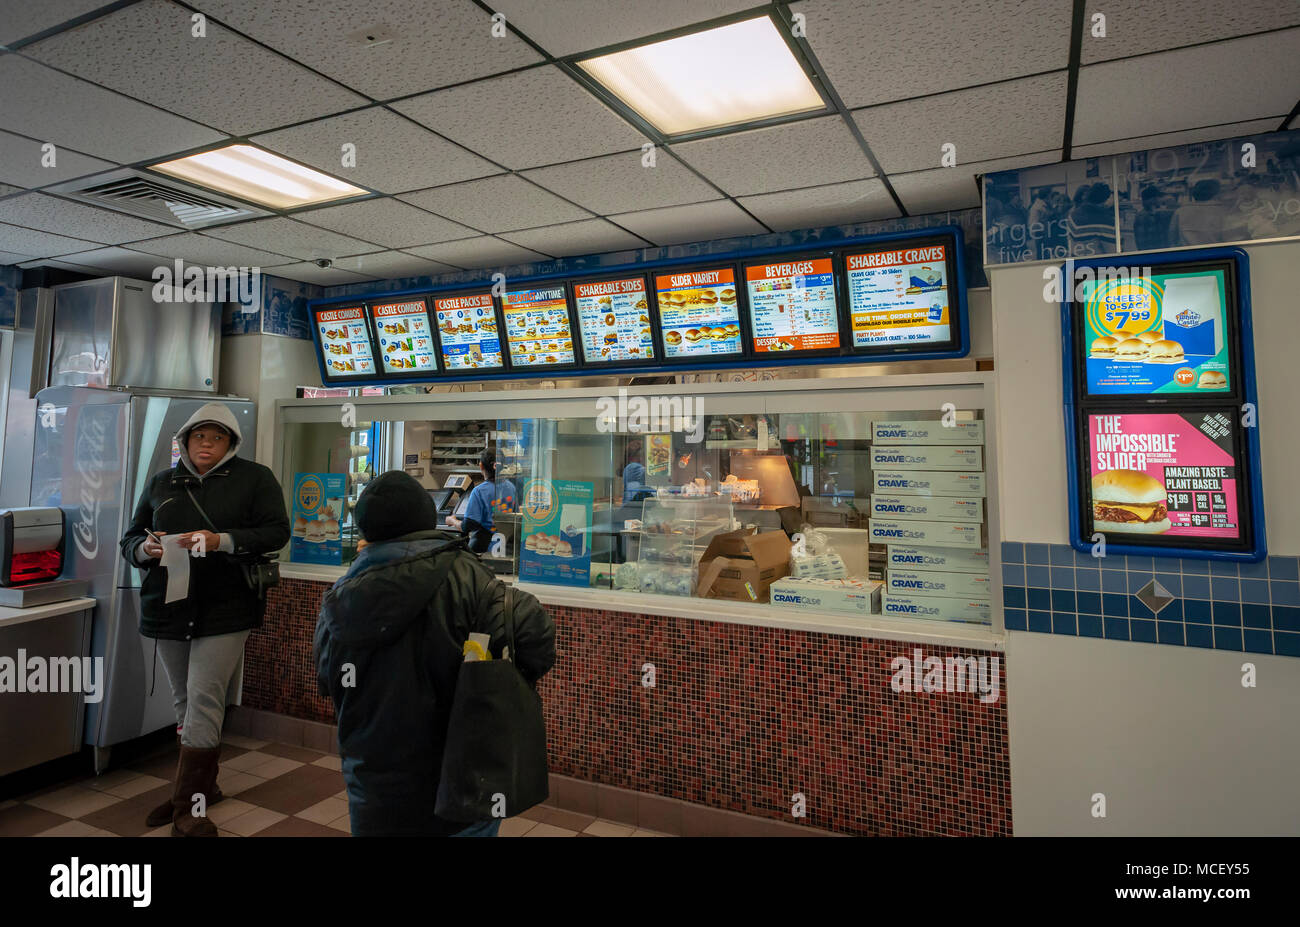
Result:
pixel 95 450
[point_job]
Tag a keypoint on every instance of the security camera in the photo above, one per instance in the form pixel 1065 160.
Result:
pixel 323 262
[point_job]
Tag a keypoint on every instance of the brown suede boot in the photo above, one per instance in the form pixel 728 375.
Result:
pixel 197 774
pixel 163 813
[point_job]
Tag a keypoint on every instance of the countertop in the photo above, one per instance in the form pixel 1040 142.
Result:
pixel 12 616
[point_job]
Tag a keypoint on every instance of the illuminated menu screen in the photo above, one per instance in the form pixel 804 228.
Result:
pixel 537 327
pixel 405 342
pixel 467 328
pixel 792 306
pixel 698 314
pixel 345 342
pixel 614 319
pixel 899 296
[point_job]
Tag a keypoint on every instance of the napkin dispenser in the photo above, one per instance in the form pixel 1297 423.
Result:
pixel 31 545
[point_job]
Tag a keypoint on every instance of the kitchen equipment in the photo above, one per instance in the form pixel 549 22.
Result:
pixel 31 545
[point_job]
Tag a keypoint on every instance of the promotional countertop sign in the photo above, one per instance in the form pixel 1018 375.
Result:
pixel 557 532
pixel 1160 412
pixel 317 514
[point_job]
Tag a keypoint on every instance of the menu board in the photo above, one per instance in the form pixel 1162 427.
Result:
pixel 1156 333
pixel 345 342
pixel 899 296
pixel 792 306
pixel 537 327
pixel 405 342
pixel 614 319
pixel 1170 475
pixel 467 328
pixel 698 314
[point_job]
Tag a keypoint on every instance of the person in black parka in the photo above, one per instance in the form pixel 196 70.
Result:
pixel 388 649
pixel 201 636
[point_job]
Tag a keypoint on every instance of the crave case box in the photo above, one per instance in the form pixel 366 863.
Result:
pixel 898 296
pixel 928 508
pixel 697 313
pixel 973 586
pixel 614 321
pixel 935 608
pixel 857 597
pixel 405 342
pixel 934 559
pixel 792 306
pixel 928 533
pixel 934 432
pixel 949 457
pixel 467 328
pixel 927 483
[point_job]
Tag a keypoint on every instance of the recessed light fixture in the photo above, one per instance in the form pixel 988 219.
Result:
pixel 729 75
pixel 259 177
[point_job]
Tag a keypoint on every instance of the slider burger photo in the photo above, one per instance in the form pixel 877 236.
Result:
pixel 728 295
pixel 1102 347
pixel 1212 379
pixel 1148 337
pixel 1133 349
pixel 673 337
pixel 693 334
pixel 1129 501
pixel 1165 352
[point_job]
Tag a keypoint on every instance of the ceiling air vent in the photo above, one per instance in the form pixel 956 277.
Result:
pixel 159 199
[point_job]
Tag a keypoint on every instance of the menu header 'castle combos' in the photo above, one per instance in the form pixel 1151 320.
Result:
pixel 937 559
pixel 927 433
pixel 952 457
pixel 929 533
pixel 927 483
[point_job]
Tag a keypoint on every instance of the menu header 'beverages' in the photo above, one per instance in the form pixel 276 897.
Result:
pixel 768 271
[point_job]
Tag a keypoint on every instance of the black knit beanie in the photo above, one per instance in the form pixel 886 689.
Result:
pixel 393 505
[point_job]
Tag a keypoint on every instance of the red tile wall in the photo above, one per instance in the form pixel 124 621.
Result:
pixel 740 718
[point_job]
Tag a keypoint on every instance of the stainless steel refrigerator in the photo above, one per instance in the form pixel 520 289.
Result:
pixel 95 450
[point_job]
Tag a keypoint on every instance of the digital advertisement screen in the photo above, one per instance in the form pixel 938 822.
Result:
pixel 467 328
pixel 1164 476
pixel 537 327
pixel 1156 333
pixel 405 341
pixel 899 297
pixel 345 342
pixel 698 314
pixel 792 306
pixel 614 318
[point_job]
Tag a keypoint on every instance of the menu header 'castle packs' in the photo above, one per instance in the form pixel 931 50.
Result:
pixel 898 296
pixel 614 320
pixel 792 305
pixel 467 328
pixel 1167 474
pixel 345 342
pixel 405 342
pixel 698 314
pixel 537 327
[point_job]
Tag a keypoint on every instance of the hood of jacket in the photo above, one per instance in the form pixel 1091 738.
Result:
pixel 212 412
pixel 387 587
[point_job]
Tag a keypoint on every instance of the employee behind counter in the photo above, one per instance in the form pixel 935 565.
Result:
pixel 487 496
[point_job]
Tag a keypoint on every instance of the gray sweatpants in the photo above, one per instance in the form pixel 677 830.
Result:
pixel 201 673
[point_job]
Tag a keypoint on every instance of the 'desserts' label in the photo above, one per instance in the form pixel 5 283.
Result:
pixel 955 457
pixel 927 483
pixel 937 558
pixel 927 433
pixel 971 611
pixel 928 508
pixel 928 533
pixel 949 585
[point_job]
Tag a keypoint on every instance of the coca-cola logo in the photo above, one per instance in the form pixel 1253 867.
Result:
pixel 88 460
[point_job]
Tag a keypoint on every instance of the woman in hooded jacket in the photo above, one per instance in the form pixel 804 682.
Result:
pixel 221 509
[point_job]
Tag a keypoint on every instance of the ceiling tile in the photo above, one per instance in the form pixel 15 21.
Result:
pixel 20 163
pixel 5 189
pixel 38 244
pixel 8 257
pixel 591 236
pixel 497 204
pixel 998 121
pixel 694 222
pixel 877 52
pixel 1135 27
pixel 800 154
pixel 117 260
pixel 818 207
pixel 433 44
pixel 307 272
pixel 22 20
pixel 385 222
pixel 482 251
pixel 297 239
pixel 46 105
pixel 63 217
pixel 393 155
pixel 1170 139
pixel 943 188
pixel 200 249
pixel 385 265
pixel 147 51
pixel 520 120
pixel 1234 81
pixel 563 27
pixel 64 265
pixel 621 183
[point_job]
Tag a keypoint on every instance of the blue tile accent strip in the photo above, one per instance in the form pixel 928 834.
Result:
pixel 1252 608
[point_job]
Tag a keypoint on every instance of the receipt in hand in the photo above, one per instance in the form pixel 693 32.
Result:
pixel 176 558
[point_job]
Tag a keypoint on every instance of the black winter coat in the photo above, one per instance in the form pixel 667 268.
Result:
pixel 400 618
pixel 244 500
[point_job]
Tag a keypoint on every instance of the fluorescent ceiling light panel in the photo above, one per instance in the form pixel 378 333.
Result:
pixel 259 177
pixel 726 76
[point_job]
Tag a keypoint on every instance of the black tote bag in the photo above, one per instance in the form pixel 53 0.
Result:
pixel 494 763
